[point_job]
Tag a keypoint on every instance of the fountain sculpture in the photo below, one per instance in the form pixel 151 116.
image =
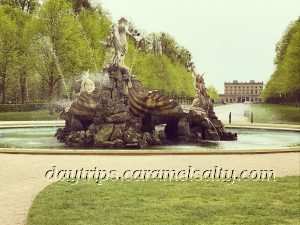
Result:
pixel 122 114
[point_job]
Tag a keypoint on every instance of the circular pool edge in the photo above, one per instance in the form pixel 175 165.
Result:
pixel 143 152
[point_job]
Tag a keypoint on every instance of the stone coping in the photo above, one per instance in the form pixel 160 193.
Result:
pixel 31 124
pixel 265 126
pixel 145 152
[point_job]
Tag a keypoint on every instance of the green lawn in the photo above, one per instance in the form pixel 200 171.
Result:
pixel 164 202
pixel 24 116
pixel 271 113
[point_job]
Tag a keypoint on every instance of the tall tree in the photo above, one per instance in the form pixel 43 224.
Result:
pixel 78 5
pixel 70 51
pixel 8 50
pixel 25 5
pixel 23 62
pixel 95 26
pixel 285 81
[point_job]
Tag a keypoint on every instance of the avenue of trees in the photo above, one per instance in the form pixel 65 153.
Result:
pixel 284 84
pixel 44 49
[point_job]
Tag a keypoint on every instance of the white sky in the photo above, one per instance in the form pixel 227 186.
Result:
pixel 229 39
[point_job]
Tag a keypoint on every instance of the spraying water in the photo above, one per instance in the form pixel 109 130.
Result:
pixel 46 41
pixel 101 80
pixel 104 80
pixel 60 73
pixel 88 41
pixel 211 123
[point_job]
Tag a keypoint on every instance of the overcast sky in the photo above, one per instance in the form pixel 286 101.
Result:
pixel 229 39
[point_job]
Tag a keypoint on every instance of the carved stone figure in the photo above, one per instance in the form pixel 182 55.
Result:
pixel 118 42
pixel 123 114
pixel 202 98
pixel 87 85
pixel 113 118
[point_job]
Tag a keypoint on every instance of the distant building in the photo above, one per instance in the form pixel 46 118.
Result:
pixel 235 92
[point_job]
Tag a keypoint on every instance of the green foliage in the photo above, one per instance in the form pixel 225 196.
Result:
pixel 158 72
pixel 213 93
pixel 8 50
pixel 25 5
pixel 79 4
pixel 67 38
pixel 163 43
pixel 95 27
pixel 22 107
pixel 33 115
pixel 68 44
pixel 286 77
pixel 272 113
pixel 43 46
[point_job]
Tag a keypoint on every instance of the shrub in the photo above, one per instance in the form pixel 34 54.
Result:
pixel 22 107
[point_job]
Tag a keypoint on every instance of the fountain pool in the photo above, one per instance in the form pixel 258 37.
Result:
pixel 43 138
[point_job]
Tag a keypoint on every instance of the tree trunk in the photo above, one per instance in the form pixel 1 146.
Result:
pixel 23 86
pixel 42 96
pixel 51 81
pixel 3 87
pixel 59 88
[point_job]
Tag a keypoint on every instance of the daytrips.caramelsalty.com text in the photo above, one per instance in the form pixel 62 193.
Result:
pixel 185 174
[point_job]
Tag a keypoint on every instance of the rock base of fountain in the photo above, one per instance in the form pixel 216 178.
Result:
pixel 123 114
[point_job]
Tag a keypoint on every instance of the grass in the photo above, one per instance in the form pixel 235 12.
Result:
pixel 27 116
pixel 176 202
pixel 271 113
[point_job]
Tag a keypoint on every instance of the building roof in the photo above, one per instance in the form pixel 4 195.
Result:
pixel 251 82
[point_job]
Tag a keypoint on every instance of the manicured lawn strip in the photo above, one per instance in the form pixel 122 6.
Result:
pixel 164 202
pixel 25 116
pixel 272 113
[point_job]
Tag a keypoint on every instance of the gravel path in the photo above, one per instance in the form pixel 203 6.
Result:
pixel 237 112
pixel 22 176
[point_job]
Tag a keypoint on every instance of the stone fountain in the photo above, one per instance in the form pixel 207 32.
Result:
pixel 121 113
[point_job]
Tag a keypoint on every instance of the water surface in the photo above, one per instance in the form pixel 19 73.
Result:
pixel 247 139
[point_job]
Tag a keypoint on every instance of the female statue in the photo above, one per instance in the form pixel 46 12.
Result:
pixel 118 42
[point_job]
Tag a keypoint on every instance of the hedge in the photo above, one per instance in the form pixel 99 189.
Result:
pixel 22 107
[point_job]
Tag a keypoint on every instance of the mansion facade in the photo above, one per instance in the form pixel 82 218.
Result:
pixel 239 92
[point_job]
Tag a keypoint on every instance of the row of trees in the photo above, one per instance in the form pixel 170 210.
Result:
pixel 164 44
pixel 284 84
pixel 45 48
pixel 42 50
